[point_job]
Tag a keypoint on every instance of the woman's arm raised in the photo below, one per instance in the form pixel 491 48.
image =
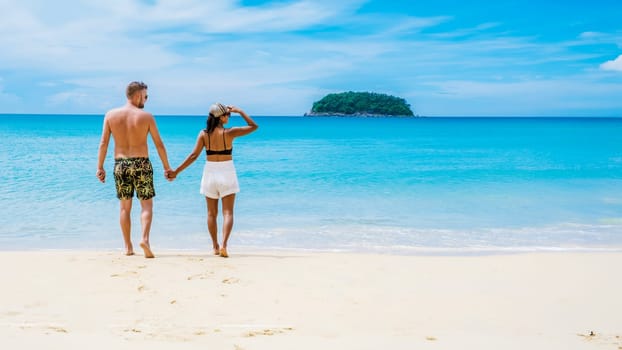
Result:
pixel 242 130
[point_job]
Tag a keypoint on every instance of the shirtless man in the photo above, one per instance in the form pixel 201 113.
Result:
pixel 129 126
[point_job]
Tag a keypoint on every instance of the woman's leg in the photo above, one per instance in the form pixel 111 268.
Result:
pixel 227 220
pixel 212 223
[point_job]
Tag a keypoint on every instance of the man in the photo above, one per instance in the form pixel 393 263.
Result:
pixel 129 126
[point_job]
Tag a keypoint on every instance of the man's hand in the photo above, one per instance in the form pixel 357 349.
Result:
pixel 170 174
pixel 101 175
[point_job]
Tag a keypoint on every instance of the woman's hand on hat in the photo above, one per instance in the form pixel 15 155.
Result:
pixel 233 109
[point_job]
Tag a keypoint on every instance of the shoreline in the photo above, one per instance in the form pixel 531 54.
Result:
pixel 279 300
pixel 384 251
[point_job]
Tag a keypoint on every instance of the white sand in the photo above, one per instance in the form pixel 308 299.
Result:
pixel 104 300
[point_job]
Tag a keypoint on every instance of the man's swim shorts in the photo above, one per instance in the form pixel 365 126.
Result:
pixel 134 174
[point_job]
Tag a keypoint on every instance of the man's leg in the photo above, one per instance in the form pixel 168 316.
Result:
pixel 146 215
pixel 126 224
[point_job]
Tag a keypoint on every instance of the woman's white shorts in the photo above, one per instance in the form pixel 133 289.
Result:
pixel 219 179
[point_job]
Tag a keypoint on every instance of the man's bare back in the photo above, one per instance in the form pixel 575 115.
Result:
pixel 129 127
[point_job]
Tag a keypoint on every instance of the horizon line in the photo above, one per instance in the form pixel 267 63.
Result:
pixel 327 116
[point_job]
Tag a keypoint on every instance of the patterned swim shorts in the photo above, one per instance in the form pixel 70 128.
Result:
pixel 134 173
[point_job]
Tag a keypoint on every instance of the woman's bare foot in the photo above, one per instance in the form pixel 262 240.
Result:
pixel 223 252
pixel 216 251
pixel 129 250
pixel 147 250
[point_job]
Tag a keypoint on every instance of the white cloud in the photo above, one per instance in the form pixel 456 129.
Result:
pixel 214 16
pixel 279 17
pixel 396 26
pixel 464 32
pixel 132 36
pixel 32 39
pixel 615 65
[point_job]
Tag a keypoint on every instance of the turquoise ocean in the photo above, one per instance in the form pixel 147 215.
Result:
pixel 403 186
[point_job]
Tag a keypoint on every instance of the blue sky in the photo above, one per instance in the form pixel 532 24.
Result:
pixel 445 57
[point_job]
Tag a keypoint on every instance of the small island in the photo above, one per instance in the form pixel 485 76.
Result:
pixel 365 104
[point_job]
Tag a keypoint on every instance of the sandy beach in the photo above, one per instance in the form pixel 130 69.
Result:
pixel 283 300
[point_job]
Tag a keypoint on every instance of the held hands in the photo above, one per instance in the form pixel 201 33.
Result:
pixel 170 174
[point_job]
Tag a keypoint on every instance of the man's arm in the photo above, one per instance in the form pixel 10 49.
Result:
pixel 103 149
pixel 157 141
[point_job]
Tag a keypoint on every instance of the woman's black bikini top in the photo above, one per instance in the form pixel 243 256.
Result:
pixel 226 152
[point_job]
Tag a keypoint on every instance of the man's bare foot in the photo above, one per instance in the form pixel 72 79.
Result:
pixel 147 250
pixel 223 252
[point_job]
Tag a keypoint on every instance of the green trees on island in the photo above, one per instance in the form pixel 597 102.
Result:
pixel 361 103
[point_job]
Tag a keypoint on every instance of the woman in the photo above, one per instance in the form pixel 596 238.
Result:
pixel 219 177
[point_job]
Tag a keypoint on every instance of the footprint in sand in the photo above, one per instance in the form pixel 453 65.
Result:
pixel 230 280
pixel 589 336
pixel 195 259
pixel 141 288
pixel 602 338
pixel 58 329
pixel 268 331
pixel 124 274
pixel 200 276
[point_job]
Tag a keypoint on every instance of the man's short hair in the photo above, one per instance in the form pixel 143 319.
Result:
pixel 133 87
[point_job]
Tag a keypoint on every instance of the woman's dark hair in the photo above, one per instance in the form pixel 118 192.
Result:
pixel 212 123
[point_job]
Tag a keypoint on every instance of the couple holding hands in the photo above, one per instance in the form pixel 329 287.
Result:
pixel 130 126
